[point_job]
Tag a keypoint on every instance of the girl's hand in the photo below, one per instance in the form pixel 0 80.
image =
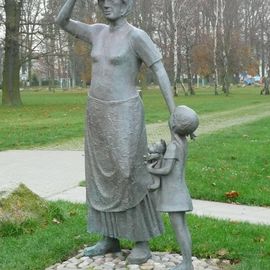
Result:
pixel 150 167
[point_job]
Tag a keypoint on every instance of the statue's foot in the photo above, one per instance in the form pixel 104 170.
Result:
pixel 107 245
pixel 183 266
pixel 139 254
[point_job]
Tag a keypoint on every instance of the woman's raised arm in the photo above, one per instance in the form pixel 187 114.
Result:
pixel 78 29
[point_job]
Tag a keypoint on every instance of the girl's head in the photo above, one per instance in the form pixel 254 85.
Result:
pixel 114 9
pixel 184 121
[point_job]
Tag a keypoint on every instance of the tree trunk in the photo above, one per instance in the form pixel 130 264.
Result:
pixel 266 88
pixel 29 70
pixel 183 87
pixel 72 66
pixel 52 58
pixel 189 74
pixel 225 84
pixel 263 50
pixel 180 77
pixel 11 70
pixel 215 30
pixel 1 61
pixel 175 49
pixel 188 60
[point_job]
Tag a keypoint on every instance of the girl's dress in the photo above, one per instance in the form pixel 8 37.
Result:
pixel 173 195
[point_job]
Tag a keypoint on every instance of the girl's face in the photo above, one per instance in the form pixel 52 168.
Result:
pixel 112 9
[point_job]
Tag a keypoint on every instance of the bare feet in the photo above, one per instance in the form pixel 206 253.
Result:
pixel 139 254
pixel 107 245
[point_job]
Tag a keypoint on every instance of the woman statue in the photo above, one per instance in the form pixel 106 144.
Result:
pixel 115 139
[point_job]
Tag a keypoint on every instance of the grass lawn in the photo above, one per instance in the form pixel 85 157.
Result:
pixel 237 159
pixel 48 117
pixel 45 117
pixel 203 102
pixel 248 245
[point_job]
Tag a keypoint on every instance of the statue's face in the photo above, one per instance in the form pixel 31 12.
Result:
pixel 112 9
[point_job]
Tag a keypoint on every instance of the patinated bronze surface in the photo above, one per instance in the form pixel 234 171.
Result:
pixel 173 196
pixel 120 205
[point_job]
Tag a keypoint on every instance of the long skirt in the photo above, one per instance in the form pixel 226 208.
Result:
pixel 140 223
pixel 117 179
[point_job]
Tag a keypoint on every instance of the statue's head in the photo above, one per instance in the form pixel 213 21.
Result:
pixel 114 9
pixel 157 147
pixel 156 151
pixel 184 121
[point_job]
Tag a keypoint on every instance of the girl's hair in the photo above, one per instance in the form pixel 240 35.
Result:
pixel 184 121
pixel 128 3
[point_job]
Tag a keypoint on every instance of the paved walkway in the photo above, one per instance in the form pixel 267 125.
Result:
pixel 44 172
pixel 56 174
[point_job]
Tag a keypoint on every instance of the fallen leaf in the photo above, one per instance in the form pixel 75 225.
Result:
pixel 232 194
pixel 56 221
pixel 234 222
pixel 259 239
pixel 223 252
pixel 72 213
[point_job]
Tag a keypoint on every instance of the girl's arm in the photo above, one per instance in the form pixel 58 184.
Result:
pixel 80 30
pixel 164 170
pixel 164 84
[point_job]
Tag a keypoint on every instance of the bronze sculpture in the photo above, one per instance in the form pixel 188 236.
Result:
pixel 120 205
pixel 173 196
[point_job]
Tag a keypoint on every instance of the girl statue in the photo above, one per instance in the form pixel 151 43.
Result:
pixel 115 138
pixel 173 196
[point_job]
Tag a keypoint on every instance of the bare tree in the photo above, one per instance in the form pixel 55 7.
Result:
pixel 215 37
pixel 176 7
pixel 188 36
pixel 226 84
pixel 210 9
pixel 236 33
pixel 50 33
pixel 30 28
